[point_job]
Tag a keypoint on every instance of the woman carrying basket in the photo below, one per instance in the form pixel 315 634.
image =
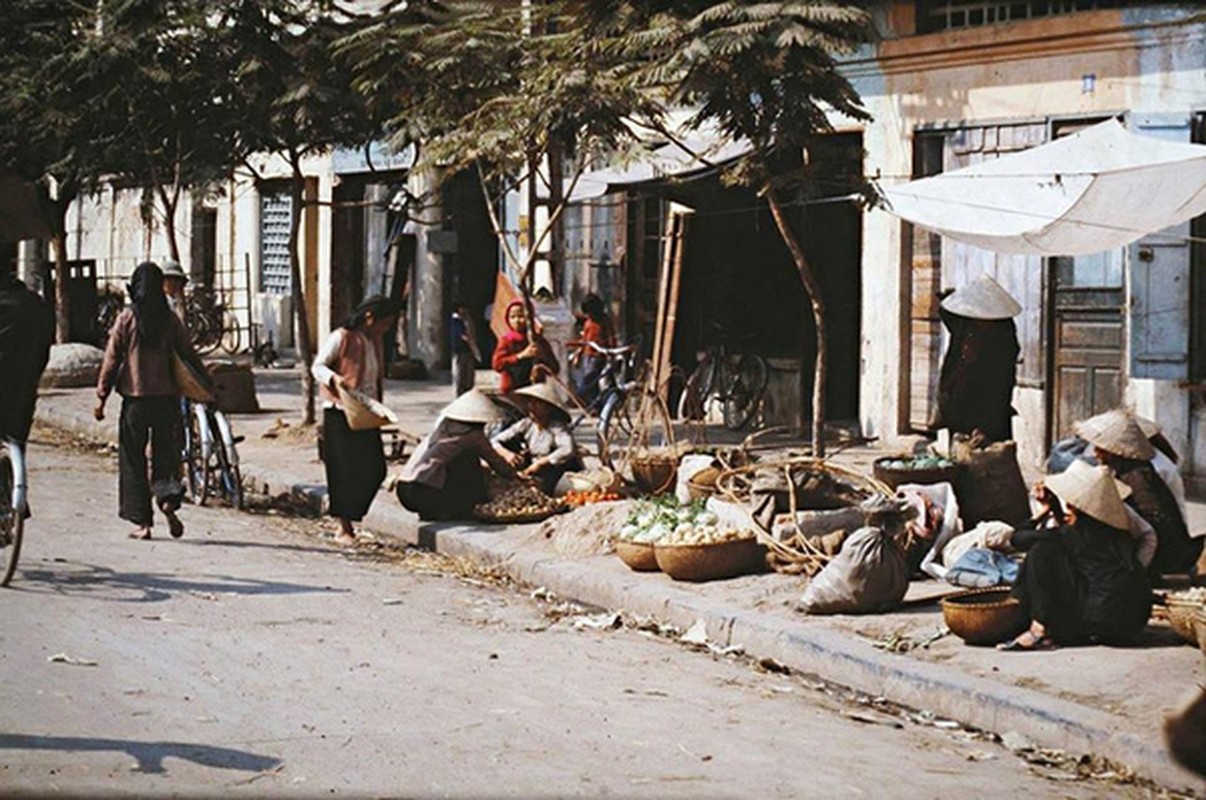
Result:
pixel 138 363
pixel 352 359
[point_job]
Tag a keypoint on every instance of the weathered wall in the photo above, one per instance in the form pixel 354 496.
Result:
pixel 1031 70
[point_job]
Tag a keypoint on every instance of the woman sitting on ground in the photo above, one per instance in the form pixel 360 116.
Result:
pixel 444 478
pixel 1118 443
pixel 539 445
pixel 1082 582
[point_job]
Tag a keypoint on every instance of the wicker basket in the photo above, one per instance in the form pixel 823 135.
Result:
pixel 895 477
pixel 709 562
pixel 1181 617
pixel 1199 626
pixel 639 556
pixel 702 484
pixel 654 473
pixel 984 616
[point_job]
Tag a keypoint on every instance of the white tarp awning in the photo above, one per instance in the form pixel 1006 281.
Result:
pixel 701 152
pixel 1098 189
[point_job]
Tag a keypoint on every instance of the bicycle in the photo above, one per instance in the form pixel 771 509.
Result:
pixel 735 380
pixel 609 411
pixel 14 508
pixel 210 323
pixel 211 463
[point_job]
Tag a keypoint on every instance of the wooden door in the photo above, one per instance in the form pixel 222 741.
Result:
pixel 1087 338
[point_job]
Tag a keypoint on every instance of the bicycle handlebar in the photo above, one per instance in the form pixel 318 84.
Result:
pixel 622 350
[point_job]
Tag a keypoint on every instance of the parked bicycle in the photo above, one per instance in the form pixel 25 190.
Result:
pixel 13 506
pixel 210 323
pixel 735 380
pixel 211 459
pixel 609 412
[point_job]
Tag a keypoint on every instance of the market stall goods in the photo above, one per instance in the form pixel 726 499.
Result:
pixel 516 504
pixel 574 498
pixel 639 556
pixel 903 469
pixel 740 554
pixel 984 616
pixel 1182 608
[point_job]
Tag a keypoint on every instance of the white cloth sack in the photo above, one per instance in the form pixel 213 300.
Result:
pixel 869 575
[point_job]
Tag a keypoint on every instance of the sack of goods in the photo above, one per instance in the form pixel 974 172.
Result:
pixel 869 575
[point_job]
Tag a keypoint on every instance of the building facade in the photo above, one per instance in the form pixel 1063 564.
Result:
pixel 953 83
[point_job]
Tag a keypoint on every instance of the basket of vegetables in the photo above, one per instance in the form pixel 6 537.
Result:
pixel 650 520
pixel 518 504
pixel 705 553
pixel 924 469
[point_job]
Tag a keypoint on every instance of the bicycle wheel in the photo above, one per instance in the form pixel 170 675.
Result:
pixel 614 427
pixel 694 396
pixel 196 465
pixel 12 523
pixel 743 397
pixel 232 334
pixel 229 481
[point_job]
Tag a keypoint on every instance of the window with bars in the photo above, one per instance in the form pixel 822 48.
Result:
pixel 276 215
pixel 942 15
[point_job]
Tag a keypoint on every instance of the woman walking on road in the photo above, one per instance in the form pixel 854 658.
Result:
pixel 138 363
pixel 353 357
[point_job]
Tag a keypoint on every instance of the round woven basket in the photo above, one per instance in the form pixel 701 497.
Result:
pixel 702 485
pixel 654 473
pixel 984 616
pixel 1199 626
pixel 1181 617
pixel 895 477
pixel 709 562
pixel 639 556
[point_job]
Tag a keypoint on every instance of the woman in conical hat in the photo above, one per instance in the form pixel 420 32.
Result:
pixel 540 445
pixel 1083 582
pixel 975 387
pixel 1118 442
pixel 444 478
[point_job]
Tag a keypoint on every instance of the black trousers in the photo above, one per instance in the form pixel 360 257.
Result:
pixel 155 420
pixel 355 462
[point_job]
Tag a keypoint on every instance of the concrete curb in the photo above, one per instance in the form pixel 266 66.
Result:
pixel 606 583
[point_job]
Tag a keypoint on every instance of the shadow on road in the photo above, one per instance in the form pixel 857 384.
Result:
pixel 150 755
pixel 103 583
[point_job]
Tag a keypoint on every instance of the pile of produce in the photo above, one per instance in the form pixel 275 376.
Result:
pixel 518 503
pixel 662 520
pixel 574 498
pixel 927 461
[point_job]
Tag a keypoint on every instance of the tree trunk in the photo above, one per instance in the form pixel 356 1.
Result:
pixel 62 302
pixel 302 320
pixel 813 290
pixel 169 223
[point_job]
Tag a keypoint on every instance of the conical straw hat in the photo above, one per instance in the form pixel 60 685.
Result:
pixel 1116 432
pixel 542 392
pixel 1149 427
pixel 1092 491
pixel 364 412
pixel 472 406
pixel 983 298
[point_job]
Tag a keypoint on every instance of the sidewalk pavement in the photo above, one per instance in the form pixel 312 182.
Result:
pixel 1106 701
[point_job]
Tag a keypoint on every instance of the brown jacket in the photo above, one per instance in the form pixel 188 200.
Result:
pixel 350 362
pixel 143 369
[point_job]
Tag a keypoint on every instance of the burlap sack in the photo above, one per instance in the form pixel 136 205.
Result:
pixel 868 576
pixel 990 484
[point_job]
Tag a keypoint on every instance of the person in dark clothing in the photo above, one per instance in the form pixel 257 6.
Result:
pixel 1119 443
pixel 138 363
pixel 353 358
pixel 1082 582
pixel 26 333
pixel 975 386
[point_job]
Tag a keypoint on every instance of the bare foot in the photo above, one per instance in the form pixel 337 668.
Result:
pixel 141 533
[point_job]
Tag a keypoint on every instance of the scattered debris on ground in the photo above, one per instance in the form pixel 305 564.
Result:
pixel 902 642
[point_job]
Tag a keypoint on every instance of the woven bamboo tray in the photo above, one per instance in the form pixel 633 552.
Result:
pixel 517 519
pixel 1181 617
